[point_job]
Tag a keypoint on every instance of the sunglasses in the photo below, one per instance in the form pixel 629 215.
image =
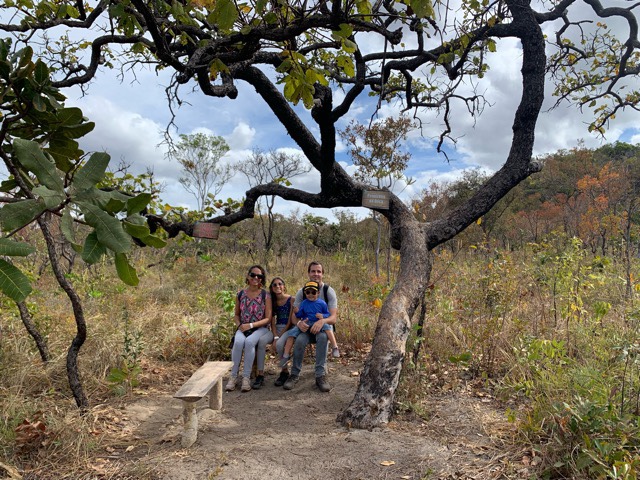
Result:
pixel 277 284
pixel 254 275
pixel 310 292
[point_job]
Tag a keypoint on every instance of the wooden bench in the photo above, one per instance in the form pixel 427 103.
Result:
pixel 206 380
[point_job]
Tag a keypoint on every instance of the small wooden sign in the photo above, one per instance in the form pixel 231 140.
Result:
pixel 206 230
pixel 375 199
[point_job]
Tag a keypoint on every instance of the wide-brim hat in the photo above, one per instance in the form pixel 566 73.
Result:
pixel 311 286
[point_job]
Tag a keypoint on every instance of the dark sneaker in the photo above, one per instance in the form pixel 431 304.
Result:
pixel 291 382
pixel 281 379
pixel 322 384
pixel 258 382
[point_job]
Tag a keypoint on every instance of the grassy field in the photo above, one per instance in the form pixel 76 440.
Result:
pixel 549 330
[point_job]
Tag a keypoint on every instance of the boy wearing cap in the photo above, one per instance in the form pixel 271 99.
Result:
pixel 311 309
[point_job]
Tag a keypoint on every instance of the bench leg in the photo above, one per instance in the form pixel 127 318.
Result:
pixel 215 396
pixel 190 434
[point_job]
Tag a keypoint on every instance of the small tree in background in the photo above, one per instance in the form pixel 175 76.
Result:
pixel 376 153
pixel 199 155
pixel 274 166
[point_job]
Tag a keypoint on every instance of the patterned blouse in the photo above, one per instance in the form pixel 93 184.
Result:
pixel 252 309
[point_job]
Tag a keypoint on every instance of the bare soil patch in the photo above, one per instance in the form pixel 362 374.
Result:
pixel 274 433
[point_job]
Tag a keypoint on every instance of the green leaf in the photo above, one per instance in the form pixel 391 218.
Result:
pixel 108 201
pixel 364 8
pixel 349 46
pixel 19 214
pixel 92 172
pixel 66 226
pixel 114 206
pixel 7 185
pixel 345 31
pixel 138 231
pixel 70 116
pixel 13 283
pixel 153 241
pixel 77 131
pixel 109 229
pixel 125 271
pixel 32 157
pixel 422 8
pixel 65 152
pixel 226 14
pixel 39 104
pixel 138 203
pixel 260 6
pixel 50 198
pixel 15 249
pixel 93 249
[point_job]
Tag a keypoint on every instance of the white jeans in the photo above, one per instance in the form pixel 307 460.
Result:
pixel 248 346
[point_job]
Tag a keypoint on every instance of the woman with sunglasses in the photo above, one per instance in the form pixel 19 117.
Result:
pixel 252 316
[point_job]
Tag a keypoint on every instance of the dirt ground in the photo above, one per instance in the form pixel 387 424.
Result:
pixel 275 433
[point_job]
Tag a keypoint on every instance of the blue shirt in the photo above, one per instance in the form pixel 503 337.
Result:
pixel 309 308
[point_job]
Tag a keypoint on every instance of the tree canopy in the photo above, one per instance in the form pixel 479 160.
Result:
pixel 425 55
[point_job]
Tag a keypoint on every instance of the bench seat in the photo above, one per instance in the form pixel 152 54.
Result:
pixel 206 380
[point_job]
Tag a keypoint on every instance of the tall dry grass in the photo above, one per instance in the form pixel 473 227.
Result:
pixel 174 318
pixel 482 312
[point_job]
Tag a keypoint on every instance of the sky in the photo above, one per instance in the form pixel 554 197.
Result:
pixel 131 115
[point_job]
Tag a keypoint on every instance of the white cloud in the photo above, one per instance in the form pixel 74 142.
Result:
pixel 241 137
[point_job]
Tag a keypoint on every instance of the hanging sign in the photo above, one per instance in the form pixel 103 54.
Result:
pixel 375 199
pixel 206 230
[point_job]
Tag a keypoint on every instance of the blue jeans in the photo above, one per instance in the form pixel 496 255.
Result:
pixel 321 353
pixel 281 342
pixel 295 331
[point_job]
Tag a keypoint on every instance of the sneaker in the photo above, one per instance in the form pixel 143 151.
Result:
pixel 284 360
pixel 291 382
pixel 281 379
pixel 322 384
pixel 231 384
pixel 246 384
pixel 258 382
pixel 335 353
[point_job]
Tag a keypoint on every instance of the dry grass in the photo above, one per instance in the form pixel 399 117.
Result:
pixel 479 305
pixel 173 308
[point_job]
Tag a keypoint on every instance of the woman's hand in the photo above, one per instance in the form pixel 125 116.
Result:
pixel 244 327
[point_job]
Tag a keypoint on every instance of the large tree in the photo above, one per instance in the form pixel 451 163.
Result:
pixel 425 55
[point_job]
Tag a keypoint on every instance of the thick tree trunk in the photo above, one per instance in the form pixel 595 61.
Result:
pixel 372 405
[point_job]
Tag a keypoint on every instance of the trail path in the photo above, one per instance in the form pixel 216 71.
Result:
pixel 274 433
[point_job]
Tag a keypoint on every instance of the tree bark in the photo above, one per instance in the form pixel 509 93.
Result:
pixel 27 320
pixel 73 373
pixel 372 404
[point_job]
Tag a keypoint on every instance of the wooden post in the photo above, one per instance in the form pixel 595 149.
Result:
pixel 215 396
pixel 190 434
